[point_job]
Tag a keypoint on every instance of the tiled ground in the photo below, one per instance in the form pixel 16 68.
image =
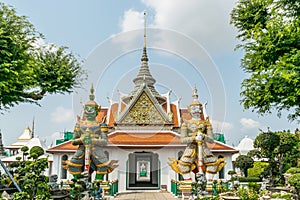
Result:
pixel 155 195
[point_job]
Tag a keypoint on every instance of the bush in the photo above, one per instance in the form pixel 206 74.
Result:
pixel 257 169
pixel 282 196
pixel 249 179
pixel 254 186
pixel 293 170
pixel 294 180
pixel 36 152
pixel 221 188
pixel 231 172
pixel 245 194
pixel 208 198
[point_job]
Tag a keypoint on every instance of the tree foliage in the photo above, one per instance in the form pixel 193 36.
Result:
pixel 29 175
pixel 280 149
pixel 294 180
pixel 257 169
pixel 244 162
pixel 270 34
pixel 36 152
pixel 29 69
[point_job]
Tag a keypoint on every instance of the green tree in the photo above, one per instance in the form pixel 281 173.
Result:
pixel 244 162
pixel 281 151
pixel 28 69
pixel 36 152
pixel 24 150
pixel 269 33
pixel 29 175
pixel 257 169
pixel 294 180
pixel 255 154
pixel 231 173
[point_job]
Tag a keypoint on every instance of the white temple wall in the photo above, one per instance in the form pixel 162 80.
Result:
pixel 122 155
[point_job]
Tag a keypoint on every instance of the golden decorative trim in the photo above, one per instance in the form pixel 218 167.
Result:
pixel 81 156
pixel 99 156
pixel 103 164
pixel 184 163
pixel 97 172
pixel 104 128
pixel 220 160
pixel 192 154
pixel 143 112
pixel 75 173
pixel 74 164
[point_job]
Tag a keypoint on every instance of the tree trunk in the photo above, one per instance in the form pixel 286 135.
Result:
pixel 246 172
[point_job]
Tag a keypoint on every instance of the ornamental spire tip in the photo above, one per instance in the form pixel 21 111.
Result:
pixel 144 28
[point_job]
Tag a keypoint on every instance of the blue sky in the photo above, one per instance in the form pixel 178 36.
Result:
pixel 189 42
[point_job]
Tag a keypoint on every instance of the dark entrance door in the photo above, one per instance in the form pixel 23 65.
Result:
pixel 143 171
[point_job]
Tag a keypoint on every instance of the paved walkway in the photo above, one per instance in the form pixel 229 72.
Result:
pixel 155 195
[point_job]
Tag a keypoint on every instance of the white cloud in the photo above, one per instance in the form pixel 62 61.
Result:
pixel 40 43
pixel 205 21
pixel 221 126
pixel 62 115
pixel 249 123
pixel 132 20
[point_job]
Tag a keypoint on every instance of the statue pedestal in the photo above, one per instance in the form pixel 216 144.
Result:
pixel 186 189
pixel 187 193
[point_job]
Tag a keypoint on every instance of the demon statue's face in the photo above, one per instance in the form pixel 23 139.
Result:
pixel 196 111
pixel 90 112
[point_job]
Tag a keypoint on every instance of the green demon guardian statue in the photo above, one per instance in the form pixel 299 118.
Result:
pixel 90 136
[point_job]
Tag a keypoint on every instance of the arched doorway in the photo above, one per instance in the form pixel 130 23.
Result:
pixel 143 171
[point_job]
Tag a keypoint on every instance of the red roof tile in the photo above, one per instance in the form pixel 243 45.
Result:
pixel 153 138
pixel 113 111
pixel 175 116
pixel 149 139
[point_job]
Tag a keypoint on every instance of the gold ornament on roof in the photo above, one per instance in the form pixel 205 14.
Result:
pixel 195 98
pixel 143 112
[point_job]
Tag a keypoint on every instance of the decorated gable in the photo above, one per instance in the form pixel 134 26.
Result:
pixel 143 111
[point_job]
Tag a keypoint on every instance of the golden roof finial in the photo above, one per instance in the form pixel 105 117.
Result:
pixel 145 28
pixel 92 96
pixel 91 102
pixel 195 95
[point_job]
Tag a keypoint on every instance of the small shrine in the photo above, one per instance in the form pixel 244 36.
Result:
pixel 22 140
